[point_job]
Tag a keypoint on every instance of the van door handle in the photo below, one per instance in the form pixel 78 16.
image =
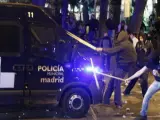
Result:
pixel 18 67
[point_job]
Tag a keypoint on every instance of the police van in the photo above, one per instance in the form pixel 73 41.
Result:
pixel 35 63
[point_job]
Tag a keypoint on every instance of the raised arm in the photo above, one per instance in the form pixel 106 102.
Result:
pixel 138 73
pixel 113 50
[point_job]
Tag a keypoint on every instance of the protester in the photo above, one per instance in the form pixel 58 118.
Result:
pixel 106 43
pixel 71 24
pixel 134 39
pixel 153 64
pixel 143 49
pixel 126 59
pixel 111 28
pixel 123 23
pixel 143 27
pixel 93 28
pixel 81 30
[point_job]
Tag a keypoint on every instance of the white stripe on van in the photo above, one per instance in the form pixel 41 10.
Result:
pixel 7 79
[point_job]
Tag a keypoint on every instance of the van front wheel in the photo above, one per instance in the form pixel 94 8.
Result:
pixel 76 102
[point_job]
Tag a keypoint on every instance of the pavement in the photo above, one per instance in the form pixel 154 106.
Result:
pixel 131 108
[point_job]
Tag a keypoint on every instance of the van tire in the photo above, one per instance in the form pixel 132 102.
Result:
pixel 73 96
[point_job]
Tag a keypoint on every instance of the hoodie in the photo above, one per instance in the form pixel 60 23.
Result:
pixel 123 49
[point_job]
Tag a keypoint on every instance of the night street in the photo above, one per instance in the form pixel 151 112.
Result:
pixel 79 59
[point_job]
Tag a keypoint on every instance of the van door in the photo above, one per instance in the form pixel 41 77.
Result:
pixel 47 75
pixel 12 63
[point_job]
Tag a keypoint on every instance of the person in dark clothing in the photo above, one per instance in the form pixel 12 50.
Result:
pixel 110 24
pixel 143 49
pixel 156 36
pixel 81 30
pixel 111 28
pixel 143 27
pixel 153 64
pixel 93 24
pixel 106 43
pixel 122 24
pixel 93 28
pixel 71 24
pixel 126 59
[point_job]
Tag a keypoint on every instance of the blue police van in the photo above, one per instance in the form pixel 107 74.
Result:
pixel 36 67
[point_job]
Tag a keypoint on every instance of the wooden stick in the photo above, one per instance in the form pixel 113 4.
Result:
pixel 81 40
pixel 107 75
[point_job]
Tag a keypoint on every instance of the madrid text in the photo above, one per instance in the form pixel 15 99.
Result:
pixel 54 74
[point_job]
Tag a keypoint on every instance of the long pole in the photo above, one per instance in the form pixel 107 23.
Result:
pixel 81 41
pixel 107 75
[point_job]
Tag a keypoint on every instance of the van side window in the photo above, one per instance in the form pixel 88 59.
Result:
pixel 44 34
pixel 43 40
pixel 9 39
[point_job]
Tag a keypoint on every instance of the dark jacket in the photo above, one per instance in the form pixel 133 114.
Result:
pixel 124 49
pixel 110 24
pixel 143 49
pixel 93 25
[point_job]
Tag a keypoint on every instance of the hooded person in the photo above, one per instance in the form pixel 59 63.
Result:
pixel 125 59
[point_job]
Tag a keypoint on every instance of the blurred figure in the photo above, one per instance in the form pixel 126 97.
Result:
pixel 111 28
pixel 151 21
pixel 126 60
pixel 134 39
pixel 93 28
pixel 106 43
pixel 81 30
pixel 123 23
pixel 143 27
pixel 143 48
pixel 71 24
